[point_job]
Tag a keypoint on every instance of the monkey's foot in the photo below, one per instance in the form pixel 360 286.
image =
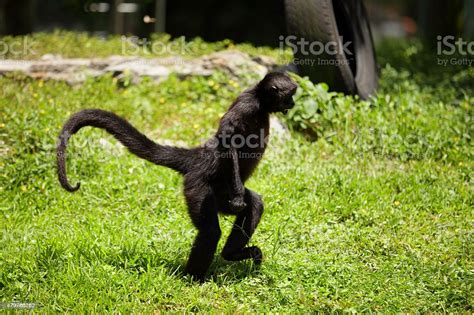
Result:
pixel 252 252
pixel 195 276
pixel 257 255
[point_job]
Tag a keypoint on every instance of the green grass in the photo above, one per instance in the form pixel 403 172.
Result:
pixel 357 220
pixel 82 45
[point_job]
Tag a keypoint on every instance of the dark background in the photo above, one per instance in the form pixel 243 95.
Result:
pixel 259 22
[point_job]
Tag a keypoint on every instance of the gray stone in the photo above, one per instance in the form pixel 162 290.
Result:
pixel 15 65
pixel 76 70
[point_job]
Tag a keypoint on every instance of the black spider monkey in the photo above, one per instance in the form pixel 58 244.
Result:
pixel 214 173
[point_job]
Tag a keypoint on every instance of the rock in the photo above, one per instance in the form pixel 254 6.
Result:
pixel 235 62
pixel 140 68
pixel 59 65
pixel 266 61
pixel 76 70
pixel 51 57
pixel 15 65
pixel 279 129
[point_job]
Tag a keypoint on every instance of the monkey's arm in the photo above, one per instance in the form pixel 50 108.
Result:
pixel 229 127
pixel 237 194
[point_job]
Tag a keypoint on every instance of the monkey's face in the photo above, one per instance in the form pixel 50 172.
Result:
pixel 276 92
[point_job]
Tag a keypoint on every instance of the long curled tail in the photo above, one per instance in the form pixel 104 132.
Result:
pixel 136 142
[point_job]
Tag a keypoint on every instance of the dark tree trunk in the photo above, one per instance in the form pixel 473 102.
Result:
pixel 18 15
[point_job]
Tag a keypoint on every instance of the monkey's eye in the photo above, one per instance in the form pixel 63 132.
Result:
pixel 274 88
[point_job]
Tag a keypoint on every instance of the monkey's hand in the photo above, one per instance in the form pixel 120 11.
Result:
pixel 237 204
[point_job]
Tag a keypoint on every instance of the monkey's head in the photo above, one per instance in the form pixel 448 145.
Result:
pixel 275 92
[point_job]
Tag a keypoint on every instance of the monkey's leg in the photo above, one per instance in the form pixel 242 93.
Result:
pixel 203 211
pixel 236 246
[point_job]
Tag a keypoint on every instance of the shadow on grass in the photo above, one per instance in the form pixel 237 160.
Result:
pixel 224 272
pixel 220 271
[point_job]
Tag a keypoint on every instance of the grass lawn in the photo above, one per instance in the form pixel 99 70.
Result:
pixel 368 204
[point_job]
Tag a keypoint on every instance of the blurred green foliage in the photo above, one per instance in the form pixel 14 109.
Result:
pixel 422 110
pixel 82 45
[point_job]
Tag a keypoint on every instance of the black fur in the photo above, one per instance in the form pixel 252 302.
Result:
pixel 214 173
